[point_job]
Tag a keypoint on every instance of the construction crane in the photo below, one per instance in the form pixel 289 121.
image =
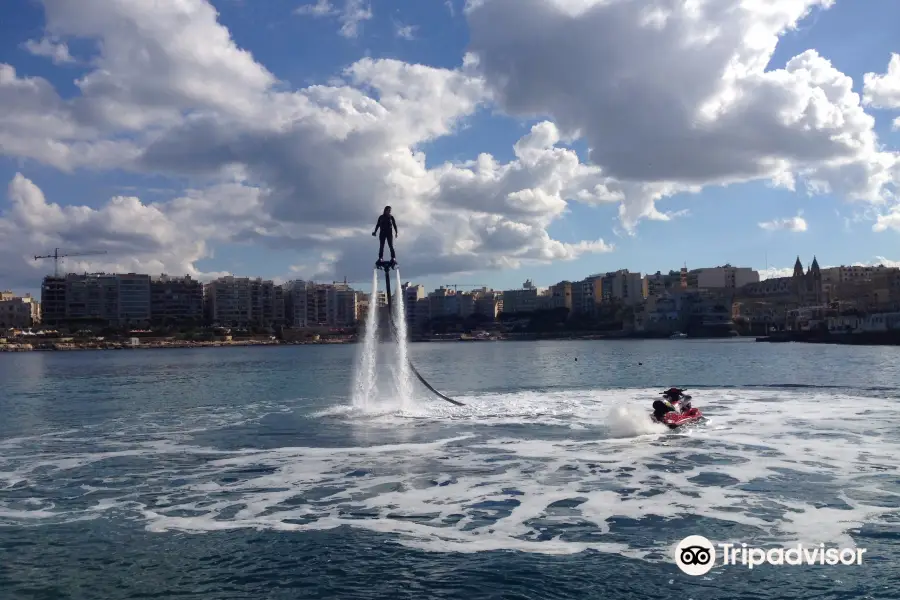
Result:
pixel 345 282
pixel 456 286
pixel 56 256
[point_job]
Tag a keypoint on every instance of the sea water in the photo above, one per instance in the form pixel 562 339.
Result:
pixel 549 483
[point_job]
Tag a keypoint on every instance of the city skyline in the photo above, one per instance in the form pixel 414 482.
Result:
pixel 720 294
pixel 710 300
pixel 266 139
pixel 365 285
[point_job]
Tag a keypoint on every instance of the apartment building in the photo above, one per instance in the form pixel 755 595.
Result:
pixel 466 304
pixel 412 294
pixel 724 277
pixel 175 300
pixel 422 312
pixel 658 284
pixel 267 303
pixel 586 295
pixel 874 290
pixel 844 274
pixel 524 300
pixel 92 299
pixel 244 302
pixel 53 300
pixel 341 306
pixel 622 286
pixel 443 303
pixel 228 302
pixel 134 296
pixel 309 304
pixel 861 285
pixel 560 295
pixel 18 312
pixel 306 304
pixel 113 299
pixel 296 297
pixel 362 307
pixel 489 304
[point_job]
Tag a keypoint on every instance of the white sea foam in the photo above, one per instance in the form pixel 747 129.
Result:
pixel 777 464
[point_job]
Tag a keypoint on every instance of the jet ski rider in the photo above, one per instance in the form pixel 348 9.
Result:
pixel 670 396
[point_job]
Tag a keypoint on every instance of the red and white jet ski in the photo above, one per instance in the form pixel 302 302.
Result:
pixel 675 410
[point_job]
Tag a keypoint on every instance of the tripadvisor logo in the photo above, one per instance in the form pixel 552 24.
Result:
pixel 695 555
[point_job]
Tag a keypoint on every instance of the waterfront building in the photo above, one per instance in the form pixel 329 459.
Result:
pixel 176 300
pixel 18 312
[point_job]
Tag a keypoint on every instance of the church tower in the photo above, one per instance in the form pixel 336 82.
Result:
pixel 798 268
pixel 798 282
pixel 815 281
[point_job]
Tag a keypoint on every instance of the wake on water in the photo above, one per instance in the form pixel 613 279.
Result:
pixel 556 472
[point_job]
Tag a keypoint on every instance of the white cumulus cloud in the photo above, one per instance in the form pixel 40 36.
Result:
pixel 136 237
pixel 668 100
pixel 56 51
pixel 883 90
pixel 795 224
pixel 350 16
pixel 306 170
pixel 677 94
pixel 888 220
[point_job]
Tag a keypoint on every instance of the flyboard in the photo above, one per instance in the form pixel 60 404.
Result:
pixel 386 266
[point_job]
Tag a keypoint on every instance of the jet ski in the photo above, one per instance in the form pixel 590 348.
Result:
pixel 675 410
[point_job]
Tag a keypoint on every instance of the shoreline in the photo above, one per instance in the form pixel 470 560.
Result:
pixel 87 346
pixel 71 346
pixel 862 338
pixel 880 338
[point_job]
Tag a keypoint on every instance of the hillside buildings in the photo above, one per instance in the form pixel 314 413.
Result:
pixel 710 298
pixel 801 287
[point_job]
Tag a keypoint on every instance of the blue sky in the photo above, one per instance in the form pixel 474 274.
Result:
pixel 717 225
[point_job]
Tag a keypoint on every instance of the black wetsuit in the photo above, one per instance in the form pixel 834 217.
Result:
pixel 660 408
pixel 388 226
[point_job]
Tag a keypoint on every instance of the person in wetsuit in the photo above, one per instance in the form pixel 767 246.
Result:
pixel 674 394
pixel 388 227
pixel 661 407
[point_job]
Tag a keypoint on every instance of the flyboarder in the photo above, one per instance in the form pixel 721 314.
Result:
pixel 388 227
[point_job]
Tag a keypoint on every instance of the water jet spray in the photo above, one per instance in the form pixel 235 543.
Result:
pixel 387 266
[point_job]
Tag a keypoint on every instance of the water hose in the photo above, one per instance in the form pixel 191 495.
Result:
pixel 386 266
